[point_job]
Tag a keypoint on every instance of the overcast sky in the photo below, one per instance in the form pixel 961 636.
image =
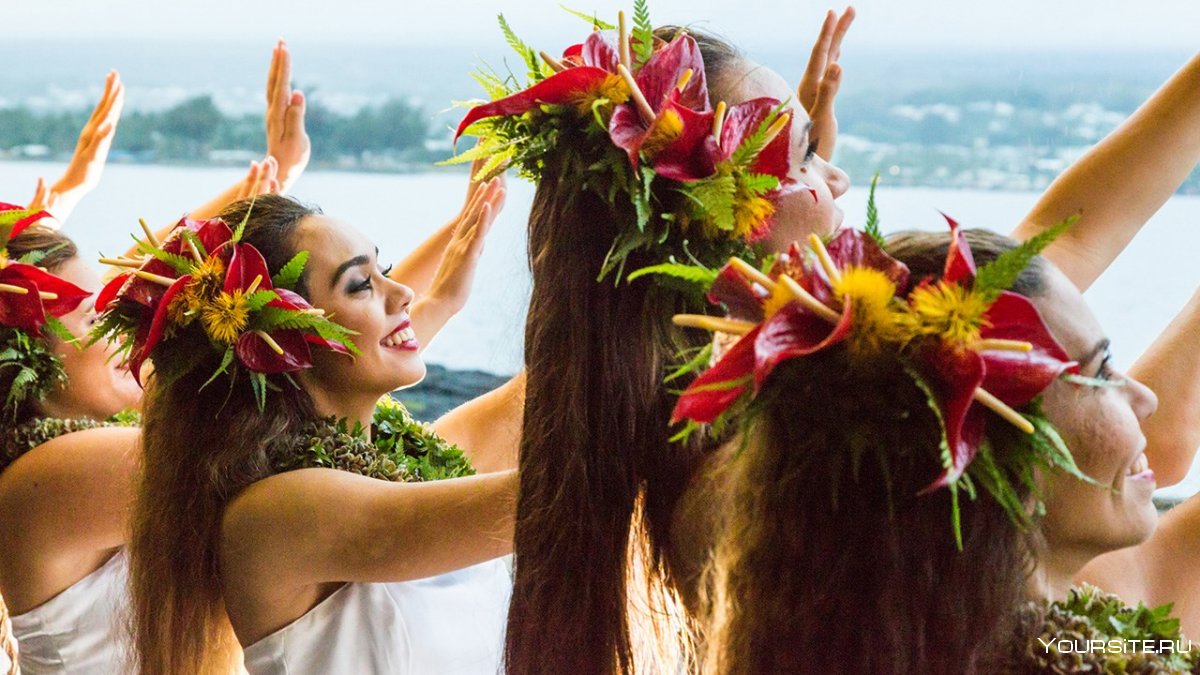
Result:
pixel 1105 25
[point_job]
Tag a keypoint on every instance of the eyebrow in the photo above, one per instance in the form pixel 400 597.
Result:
pixel 341 269
pixel 1101 347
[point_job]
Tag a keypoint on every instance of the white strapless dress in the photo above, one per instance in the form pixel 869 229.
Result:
pixel 80 631
pixel 451 624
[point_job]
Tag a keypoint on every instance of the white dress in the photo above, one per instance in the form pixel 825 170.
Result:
pixel 80 631
pixel 452 624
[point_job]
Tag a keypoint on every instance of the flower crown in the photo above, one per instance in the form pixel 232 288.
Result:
pixel 633 119
pixel 972 347
pixel 205 291
pixel 31 300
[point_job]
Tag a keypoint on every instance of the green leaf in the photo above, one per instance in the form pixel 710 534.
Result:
pixel 258 382
pixel 180 264
pixel 872 226
pixel 701 276
pixel 289 274
pixel 59 330
pixel 1000 274
pixel 753 144
pixel 592 19
pixel 241 228
pixel 259 299
pixel 527 53
pixel 226 361
pixel 643 33
pixel 693 365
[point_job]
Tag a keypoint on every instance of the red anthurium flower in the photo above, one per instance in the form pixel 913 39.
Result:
pixel 717 388
pixel 658 81
pixel 742 298
pixel 28 311
pixel 109 293
pixel 960 264
pixel 793 332
pixel 23 219
pixel 954 375
pixel 144 344
pixel 245 266
pixel 260 357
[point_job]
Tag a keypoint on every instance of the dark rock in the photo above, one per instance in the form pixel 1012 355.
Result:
pixel 444 389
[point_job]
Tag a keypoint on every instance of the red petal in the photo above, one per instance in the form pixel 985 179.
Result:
pixel 559 88
pixel 245 266
pixel 794 332
pixel 289 300
pixel 22 311
pixel 717 388
pixel 109 293
pixel 573 55
pixel 258 356
pixel 628 130
pixel 741 121
pixel 328 344
pixel 954 375
pixel 686 158
pixel 657 79
pixel 159 323
pixel 69 295
pixel 742 299
pixel 960 264
pixel 1017 377
pixel 851 247
pixel 597 52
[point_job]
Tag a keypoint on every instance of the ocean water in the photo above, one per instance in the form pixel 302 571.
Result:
pixel 1134 300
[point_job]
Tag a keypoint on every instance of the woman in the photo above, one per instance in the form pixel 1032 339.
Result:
pixel 832 505
pixel 236 538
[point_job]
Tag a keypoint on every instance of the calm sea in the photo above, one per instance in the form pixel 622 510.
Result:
pixel 1134 300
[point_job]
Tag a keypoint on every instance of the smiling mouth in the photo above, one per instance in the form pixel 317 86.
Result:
pixel 402 338
pixel 1140 469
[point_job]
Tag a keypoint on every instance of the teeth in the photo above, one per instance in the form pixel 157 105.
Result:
pixel 399 337
pixel 1139 465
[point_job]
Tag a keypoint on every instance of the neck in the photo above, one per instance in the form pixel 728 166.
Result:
pixel 354 406
pixel 1055 573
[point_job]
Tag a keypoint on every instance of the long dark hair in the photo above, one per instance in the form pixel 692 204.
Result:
pixel 202 445
pixel 595 461
pixel 825 566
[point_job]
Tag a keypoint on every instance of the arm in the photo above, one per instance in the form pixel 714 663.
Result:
pixel 1171 368
pixel 1121 182
pixel 488 428
pixel 451 284
pixel 63 505
pixel 91 155
pixel 821 80
pixel 282 527
pixel 418 268
pixel 287 139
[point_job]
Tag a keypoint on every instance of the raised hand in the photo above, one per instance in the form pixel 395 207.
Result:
pixel 287 140
pixel 91 154
pixel 819 86
pixel 263 178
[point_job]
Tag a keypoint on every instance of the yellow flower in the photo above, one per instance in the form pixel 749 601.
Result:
pixel 947 311
pixel 226 316
pixel 877 320
pixel 613 90
pixel 750 211
pixel 667 128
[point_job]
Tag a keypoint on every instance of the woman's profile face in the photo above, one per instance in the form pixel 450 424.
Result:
pixel 1101 427
pixel 344 277
pixel 98 385
pixel 799 212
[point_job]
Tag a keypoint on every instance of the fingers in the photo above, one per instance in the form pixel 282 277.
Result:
pixel 273 73
pixel 39 195
pixel 294 116
pixel 843 25
pixel 249 181
pixel 817 61
pixel 824 128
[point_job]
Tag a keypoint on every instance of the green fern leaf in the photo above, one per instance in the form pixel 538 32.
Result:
pixel 643 33
pixel 592 19
pixel 1001 273
pixel 289 274
pixel 872 226
pixel 701 276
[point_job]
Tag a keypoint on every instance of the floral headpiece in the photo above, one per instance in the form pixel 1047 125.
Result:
pixel 31 300
pixel 633 118
pixel 974 348
pixel 204 290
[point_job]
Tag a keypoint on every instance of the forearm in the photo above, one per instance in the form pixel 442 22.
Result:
pixel 1171 368
pixel 418 268
pixel 1121 182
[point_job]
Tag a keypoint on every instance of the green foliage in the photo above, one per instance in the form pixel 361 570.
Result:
pixel 533 62
pixel 693 365
pixel 592 19
pixel 872 226
pixel 181 264
pixel 754 144
pixel 692 274
pixel 29 368
pixel 642 34
pixel 290 273
pixel 1001 273
pixel 16 440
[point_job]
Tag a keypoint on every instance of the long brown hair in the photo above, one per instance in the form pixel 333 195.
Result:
pixel 201 446
pixel 831 567
pixel 56 249
pixel 595 461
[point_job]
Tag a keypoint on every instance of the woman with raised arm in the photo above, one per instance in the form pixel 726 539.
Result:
pixel 927 456
pixel 277 507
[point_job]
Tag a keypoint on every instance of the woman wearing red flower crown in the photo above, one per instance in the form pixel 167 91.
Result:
pixel 251 526
pixel 584 480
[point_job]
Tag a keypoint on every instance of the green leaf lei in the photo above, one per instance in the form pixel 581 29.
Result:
pixel 400 448
pixel 21 438
pixel 34 368
pixel 1068 635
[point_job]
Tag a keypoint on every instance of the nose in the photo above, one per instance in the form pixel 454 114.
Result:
pixel 399 295
pixel 835 178
pixel 1142 399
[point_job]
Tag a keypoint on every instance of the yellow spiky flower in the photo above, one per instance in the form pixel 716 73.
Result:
pixel 751 211
pixel 226 316
pixel 667 128
pixel 948 311
pixel 613 91
pixel 878 318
